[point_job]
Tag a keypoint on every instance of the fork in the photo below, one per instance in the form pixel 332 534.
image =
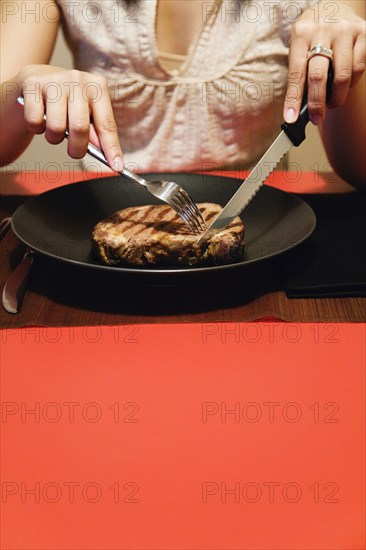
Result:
pixel 167 191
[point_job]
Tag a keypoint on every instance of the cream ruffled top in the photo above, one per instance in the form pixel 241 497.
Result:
pixel 222 105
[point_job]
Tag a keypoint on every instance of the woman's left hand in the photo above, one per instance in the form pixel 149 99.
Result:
pixel 333 25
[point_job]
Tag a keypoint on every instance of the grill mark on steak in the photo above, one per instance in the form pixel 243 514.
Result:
pixel 128 215
pixel 163 213
pixel 148 212
pixel 210 216
pixel 144 223
pixel 138 220
pixel 157 235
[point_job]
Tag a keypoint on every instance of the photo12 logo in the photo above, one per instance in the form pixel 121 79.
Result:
pixel 269 411
pixel 253 333
pixel 267 11
pixel 52 492
pixel 53 412
pixel 90 12
pixel 119 334
pixel 253 492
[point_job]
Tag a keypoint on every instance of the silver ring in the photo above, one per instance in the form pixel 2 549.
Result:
pixel 320 50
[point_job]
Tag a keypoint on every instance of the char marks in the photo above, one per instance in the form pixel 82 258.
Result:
pixel 156 235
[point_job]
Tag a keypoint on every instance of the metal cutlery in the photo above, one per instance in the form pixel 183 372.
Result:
pixel 291 135
pixel 16 284
pixel 167 191
pixel 4 227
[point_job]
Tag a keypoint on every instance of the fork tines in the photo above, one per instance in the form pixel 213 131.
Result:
pixel 187 209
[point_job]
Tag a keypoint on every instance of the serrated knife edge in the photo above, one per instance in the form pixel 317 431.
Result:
pixel 250 186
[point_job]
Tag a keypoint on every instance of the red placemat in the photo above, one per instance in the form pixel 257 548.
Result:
pixel 213 436
pixel 39 181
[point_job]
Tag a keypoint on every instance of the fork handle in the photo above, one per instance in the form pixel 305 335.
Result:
pixel 99 155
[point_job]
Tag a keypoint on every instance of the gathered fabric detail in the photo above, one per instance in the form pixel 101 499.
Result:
pixel 222 107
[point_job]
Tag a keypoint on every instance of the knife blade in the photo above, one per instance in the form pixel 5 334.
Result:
pixel 291 135
pixel 4 227
pixel 16 284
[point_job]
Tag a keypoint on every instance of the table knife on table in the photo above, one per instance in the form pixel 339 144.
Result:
pixel 4 227
pixel 291 135
pixel 16 283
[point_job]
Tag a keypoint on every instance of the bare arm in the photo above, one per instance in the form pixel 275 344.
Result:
pixel 25 40
pixel 343 125
pixel 70 98
pixel 344 129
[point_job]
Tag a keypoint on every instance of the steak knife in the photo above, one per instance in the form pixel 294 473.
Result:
pixel 291 135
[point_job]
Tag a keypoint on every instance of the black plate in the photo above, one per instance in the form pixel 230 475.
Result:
pixel 59 223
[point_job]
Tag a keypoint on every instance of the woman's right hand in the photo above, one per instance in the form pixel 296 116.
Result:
pixel 71 100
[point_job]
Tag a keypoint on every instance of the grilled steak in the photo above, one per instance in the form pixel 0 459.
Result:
pixel 156 235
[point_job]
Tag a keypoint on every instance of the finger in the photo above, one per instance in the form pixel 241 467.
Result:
pixel 106 128
pixel 342 65
pixel 93 137
pixel 296 80
pixel 359 60
pixel 56 112
pixel 79 125
pixel 34 110
pixel 317 88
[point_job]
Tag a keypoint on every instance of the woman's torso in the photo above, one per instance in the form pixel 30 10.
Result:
pixel 222 104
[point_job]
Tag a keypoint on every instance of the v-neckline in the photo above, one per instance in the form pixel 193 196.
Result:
pixel 192 49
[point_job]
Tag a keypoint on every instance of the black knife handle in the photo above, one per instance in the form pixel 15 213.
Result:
pixel 296 130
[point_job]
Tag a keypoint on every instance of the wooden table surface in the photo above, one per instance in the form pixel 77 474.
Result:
pixel 58 295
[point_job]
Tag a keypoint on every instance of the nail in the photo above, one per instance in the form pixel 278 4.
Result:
pixel 290 115
pixel 118 164
pixel 316 119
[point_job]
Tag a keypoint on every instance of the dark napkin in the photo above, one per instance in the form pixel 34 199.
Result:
pixel 332 262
